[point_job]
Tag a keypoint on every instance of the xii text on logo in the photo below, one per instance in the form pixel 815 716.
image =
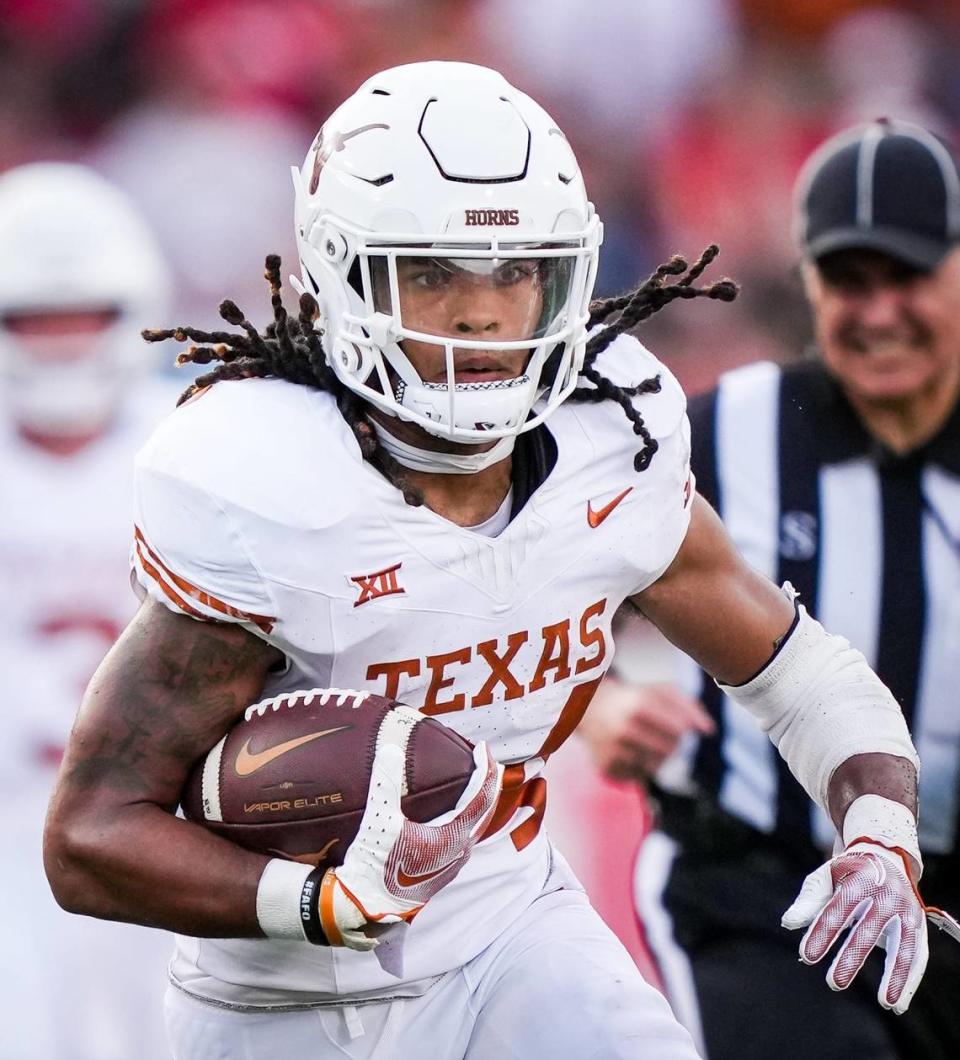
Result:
pixel 380 583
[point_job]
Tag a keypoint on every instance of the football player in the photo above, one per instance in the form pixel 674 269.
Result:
pixel 438 481
pixel 79 274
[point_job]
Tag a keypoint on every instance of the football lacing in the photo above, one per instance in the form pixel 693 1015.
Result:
pixel 290 699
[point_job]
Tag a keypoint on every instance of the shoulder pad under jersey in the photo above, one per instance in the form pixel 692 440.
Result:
pixel 259 445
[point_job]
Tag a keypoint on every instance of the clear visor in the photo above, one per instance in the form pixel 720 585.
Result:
pixel 464 339
pixel 514 298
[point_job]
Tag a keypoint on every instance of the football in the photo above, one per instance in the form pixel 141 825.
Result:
pixel 290 779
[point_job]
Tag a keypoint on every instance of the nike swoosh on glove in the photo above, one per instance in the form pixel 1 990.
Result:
pixel 394 866
pixel 867 888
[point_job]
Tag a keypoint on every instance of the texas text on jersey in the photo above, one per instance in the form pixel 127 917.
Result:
pixel 360 590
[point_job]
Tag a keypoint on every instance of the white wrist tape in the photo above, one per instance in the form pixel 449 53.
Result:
pixel 886 821
pixel 278 899
pixel 820 704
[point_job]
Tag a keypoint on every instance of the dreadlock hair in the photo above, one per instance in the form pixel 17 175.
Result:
pixel 631 309
pixel 290 348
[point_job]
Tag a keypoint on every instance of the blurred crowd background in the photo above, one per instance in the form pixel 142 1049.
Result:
pixel 690 120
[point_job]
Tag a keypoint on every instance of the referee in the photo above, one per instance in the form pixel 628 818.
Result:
pixel 842 476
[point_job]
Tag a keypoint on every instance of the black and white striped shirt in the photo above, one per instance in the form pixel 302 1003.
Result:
pixel 871 542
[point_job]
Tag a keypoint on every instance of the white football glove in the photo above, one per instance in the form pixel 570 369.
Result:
pixel 868 889
pixel 865 888
pixel 396 865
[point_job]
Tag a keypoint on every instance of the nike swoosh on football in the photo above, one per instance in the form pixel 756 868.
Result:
pixel 596 516
pixel 248 762
pixel 406 880
pixel 313 858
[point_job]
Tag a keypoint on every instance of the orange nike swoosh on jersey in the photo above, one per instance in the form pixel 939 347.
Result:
pixel 406 880
pixel 596 516
pixel 248 762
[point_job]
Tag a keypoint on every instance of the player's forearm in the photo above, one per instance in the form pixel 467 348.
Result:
pixel 142 865
pixel 889 777
pixel 871 774
pixel 163 696
pixel 836 725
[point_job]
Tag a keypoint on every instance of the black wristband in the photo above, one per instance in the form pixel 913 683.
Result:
pixel 310 908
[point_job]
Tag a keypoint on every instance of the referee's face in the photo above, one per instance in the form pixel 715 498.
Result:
pixel 889 332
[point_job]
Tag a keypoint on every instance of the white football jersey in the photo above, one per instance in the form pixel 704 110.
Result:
pixel 74 989
pixel 255 506
pixel 64 541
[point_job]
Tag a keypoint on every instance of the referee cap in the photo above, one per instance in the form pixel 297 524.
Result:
pixel 888 186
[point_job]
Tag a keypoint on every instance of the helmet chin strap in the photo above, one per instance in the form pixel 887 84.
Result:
pixel 416 459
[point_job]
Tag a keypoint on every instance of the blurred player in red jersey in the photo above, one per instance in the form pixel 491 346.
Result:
pixel 438 481
pixel 78 275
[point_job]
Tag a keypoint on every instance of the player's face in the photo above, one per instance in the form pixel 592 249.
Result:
pixel 888 332
pixel 472 299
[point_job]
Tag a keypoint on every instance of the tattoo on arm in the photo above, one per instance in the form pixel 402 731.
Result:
pixel 165 694
pixel 169 689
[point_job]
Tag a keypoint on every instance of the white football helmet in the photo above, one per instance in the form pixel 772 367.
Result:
pixel 445 171
pixel 72 244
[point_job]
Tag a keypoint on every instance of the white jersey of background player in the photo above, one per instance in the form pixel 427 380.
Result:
pixel 448 255
pixel 79 276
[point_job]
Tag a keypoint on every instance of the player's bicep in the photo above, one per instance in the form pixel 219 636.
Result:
pixel 165 693
pixel 713 606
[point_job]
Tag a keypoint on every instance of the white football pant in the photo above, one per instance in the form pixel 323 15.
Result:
pixel 557 983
